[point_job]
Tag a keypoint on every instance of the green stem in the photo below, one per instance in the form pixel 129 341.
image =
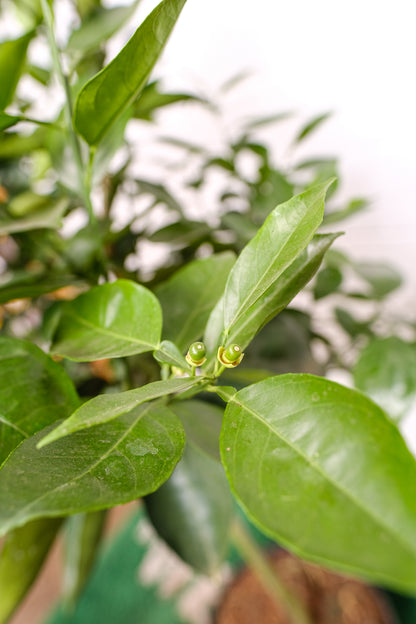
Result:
pixel 73 137
pixel 265 572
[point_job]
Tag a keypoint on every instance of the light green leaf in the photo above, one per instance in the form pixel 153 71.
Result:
pixel 108 93
pixel 99 27
pixel 151 99
pixel 188 297
pixel 321 469
pixel 24 551
pixel 106 407
pixel 12 60
pixel 273 301
pixel 34 392
pixel 382 278
pixel 44 212
pixel 192 511
pixel 82 541
pixel 112 320
pixel 7 121
pixel 386 371
pixel 108 465
pixel 353 207
pixel 168 353
pixel 311 126
pixel 282 237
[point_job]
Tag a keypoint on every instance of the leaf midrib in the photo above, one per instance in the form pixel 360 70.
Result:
pixel 318 469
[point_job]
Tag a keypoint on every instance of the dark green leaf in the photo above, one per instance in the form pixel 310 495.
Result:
pixel 108 93
pixel 312 125
pixel 322 469
pixel 328 280
pixel 193 510
pixel 106 407
pixel 160 194
pixel 188 297
pixel 12 61
pixel 181 234
pixel 105 466
pixel 151 99
pixel 99 27
pixel 24 551
pixel 7 121
pixel 34 392
pixel 82 540
pixel 351 325
pixel 112 320
pixel 386 371
pixel 202 424
pixel 41 212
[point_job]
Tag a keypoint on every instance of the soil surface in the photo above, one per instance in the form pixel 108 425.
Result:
pixel 329 598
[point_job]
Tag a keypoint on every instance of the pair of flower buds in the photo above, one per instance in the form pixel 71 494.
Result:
pixel 228 356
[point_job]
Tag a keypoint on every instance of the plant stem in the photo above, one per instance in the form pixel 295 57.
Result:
pixel 265 572
pixel 84 189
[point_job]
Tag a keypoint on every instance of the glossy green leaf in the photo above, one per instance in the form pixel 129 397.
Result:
pixel 328 280
pixel 34 392
pixel 311 126
pixel 382 278
pixel 105 466
pixel 7 121
pixel 202 423
pixel 386 371
pixel 112 320
pixel 320 468
pixel 282 237
pixel 82 541
pixel 189 296
pixel 106 407
pixel 12 60
pixel 99 27
pixel 274 300
pixel 44 212
pixel 168 353
pixel 23 553
pixel 192 511
pixel 108 93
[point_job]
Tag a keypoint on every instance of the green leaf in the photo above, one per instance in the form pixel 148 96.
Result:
pixel 106 407
pixel 312 125
pixel 202 423
pixel 192 511
pixel 188 297
pixel 168 353
pixel 21 285
pixel 99 27
pixel 108 93
pixel 24 551
pixel 282 237
pixel 321 469
pixel 34 392
pixel 12 61
pixel 328 280
pixel 386 371
pixel 108 465
pixel 82 541
pixel 353 207
pixel 382 278
pixel 41 212
pixel 7 121
pixel 273 301
pixel 151 99
pixel 112 320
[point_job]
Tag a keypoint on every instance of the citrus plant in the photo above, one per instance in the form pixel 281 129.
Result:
pixel 115 388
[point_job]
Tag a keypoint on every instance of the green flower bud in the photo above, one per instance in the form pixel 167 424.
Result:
pixel 230 356
pixel 196 354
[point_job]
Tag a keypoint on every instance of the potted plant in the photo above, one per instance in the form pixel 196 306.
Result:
pixel 115 388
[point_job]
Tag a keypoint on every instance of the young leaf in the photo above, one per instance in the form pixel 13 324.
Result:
pixel 23 553
pixel 188 297
pixel 168 353
pixel 282 237
pixel 274 300
pixel 312 125
pixel 386 371
pixel 108 93
pixel 320 468
pixel 12 59
pixel 112 320
pixel 193 510
pixel 106 407
pixel 82 539
pixel 34 393
pixel 46 213
pixel 91 470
